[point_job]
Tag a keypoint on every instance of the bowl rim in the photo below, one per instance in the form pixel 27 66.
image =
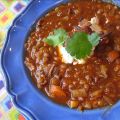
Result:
pixel 7 78
pixel 4 72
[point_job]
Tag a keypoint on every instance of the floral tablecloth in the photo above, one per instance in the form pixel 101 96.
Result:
pixel 9 9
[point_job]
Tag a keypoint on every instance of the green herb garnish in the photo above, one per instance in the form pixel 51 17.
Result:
pixel 94 39
pixel 58 37
pixel 80 44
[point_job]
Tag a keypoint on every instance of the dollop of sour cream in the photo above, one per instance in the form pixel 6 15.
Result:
pixel 67 58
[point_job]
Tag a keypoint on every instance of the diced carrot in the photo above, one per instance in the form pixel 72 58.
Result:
pixel 112 55
pixel 56 91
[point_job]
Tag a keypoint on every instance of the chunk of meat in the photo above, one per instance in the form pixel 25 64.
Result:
pixel 96 28
pixel 73 103
pixel 94 20
pixel 95 25
pixel 79 93
pixel 84 23
pixel 51 70
pixel 86 29
pixel 96 93
pixel 104 70
pixel 88 26
pixel 55 80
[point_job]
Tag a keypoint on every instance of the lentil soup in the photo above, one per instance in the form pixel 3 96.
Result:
pixel 90 82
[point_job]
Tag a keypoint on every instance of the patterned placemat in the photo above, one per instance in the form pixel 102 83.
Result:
pixel 9 9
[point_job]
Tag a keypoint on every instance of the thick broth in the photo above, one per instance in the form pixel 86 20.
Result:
pixel 84 86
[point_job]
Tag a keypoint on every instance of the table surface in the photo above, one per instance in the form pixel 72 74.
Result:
pixel 9 9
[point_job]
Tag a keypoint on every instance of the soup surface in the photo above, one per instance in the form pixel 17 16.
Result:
pixel 91 82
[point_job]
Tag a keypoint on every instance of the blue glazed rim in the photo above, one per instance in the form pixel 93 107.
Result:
pixel 13 53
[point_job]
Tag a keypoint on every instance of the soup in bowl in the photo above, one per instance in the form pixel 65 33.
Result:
pixel 73 54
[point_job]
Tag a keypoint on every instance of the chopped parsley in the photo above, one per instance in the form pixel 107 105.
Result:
pixel 80 44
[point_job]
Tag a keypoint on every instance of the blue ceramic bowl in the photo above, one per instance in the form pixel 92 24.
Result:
pixel 34 104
